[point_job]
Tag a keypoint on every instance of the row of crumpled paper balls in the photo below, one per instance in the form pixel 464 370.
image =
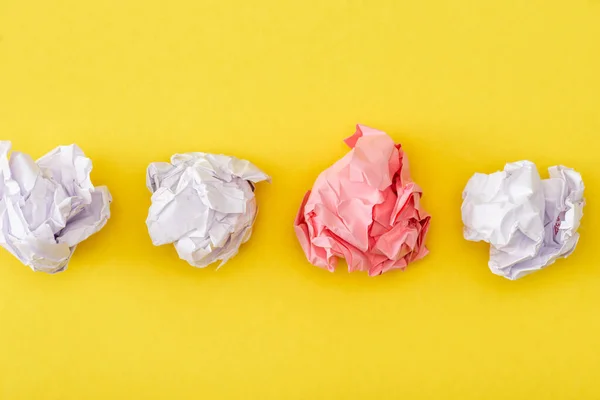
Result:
pixel 365 208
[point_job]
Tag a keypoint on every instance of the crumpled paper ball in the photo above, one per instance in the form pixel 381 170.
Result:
pixel 204 204
pixel 364 208
pixel 528 222
pixel 49 206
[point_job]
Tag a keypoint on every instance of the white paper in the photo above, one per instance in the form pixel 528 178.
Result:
pixel 48 206
pixel 529 222
pixel 204 204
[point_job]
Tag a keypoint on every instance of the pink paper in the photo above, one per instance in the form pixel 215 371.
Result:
pixel 364 208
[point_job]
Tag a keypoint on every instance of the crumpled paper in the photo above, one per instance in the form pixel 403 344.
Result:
pixel 48 206
pixel 529 222
pixel 364 208
pixel 204 204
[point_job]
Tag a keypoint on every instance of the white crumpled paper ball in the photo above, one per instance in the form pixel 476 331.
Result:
pixel 48 206
pixel 529 222
pixel 204 204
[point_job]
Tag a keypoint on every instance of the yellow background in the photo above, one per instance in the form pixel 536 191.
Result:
pixel 464 85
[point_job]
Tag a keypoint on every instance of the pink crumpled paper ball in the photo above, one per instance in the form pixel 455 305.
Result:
pixel 364 208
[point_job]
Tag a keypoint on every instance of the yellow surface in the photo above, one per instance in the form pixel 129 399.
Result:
pixel 465 86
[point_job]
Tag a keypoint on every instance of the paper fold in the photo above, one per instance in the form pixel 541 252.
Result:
pixel 364 208
pixel 204 204
pixel 48 206
pixel 529 222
